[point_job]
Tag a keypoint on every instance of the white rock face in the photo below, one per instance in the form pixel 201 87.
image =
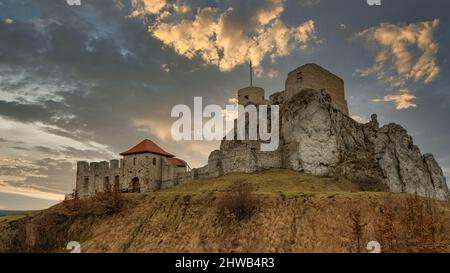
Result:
pixel 320 140
pixel 309 143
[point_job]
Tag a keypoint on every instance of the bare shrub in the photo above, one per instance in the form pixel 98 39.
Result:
pixel 357 228
pixel 109 201
pixel 425 226
pixel 239 203
pixel 73 205
pixel 386 230
pixel 416 225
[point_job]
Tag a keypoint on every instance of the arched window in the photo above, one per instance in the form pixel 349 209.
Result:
pixel 154 161
pixel 135 186
pixel 116 183
pixel 106 184
pixel 86 184
pixel 134 161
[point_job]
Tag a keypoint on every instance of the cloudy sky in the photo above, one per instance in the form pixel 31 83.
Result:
pixel 87 82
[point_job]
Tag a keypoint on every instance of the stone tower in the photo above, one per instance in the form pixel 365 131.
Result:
pixel 251 95
pixel 313 76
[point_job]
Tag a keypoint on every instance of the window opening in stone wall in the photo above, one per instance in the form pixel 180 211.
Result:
pixel 299 77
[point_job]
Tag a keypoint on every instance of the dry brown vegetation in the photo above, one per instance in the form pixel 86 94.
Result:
pixel 417 225
pixel 237 216
pixel 238 203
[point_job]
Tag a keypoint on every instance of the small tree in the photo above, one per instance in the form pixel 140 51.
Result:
pixel 73 204
pixel 109 201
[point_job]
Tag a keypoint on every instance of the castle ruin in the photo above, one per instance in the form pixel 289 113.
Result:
pixel 317 137
pixel 145 167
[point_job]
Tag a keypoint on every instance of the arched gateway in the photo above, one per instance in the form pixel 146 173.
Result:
pixel 135 185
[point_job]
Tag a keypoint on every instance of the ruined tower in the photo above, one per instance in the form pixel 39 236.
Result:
pixel 251 95
pixel 313 76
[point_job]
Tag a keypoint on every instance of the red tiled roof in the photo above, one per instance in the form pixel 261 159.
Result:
pixel 147 146
pixel 177 162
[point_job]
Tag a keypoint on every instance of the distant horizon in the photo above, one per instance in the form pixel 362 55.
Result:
pixel 17 202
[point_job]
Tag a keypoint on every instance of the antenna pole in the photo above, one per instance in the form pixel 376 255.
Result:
pixel 251 74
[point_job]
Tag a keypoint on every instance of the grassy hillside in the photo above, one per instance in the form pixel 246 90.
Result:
pixel 12 215
pixel 276 211
pixel 272 182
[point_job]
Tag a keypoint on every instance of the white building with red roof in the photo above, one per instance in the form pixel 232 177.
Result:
pixel 143 168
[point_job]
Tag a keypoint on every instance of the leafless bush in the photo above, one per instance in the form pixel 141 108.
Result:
pixel 357 228
pixel 73 205
pixel 109 202
pixel 239 203
pixel 386 228
pixel 415 225
pixel 425 228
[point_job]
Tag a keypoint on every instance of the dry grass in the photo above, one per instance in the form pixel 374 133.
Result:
pixel 271 182
pixel 294 213
pixel 239 203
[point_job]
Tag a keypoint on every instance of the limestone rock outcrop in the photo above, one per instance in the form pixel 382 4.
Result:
pixel 318 139
pixel 321 140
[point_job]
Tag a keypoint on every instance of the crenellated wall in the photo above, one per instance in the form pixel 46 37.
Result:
pixel 97 176
pixel 134 173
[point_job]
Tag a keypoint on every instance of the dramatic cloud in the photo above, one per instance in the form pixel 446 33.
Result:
pixel 404 54
pixel 37 137
pixel 360 119
pixel 226 37
pixel 402 100
pixel 30 192
pixel 142 7
pixel 37 179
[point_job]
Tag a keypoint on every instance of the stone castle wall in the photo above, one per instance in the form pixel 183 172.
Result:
pixel 141 172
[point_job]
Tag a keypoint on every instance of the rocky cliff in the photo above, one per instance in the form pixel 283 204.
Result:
pixel 318 139
pixel 321 140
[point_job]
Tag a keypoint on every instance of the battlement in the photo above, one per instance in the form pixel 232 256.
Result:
pixel 145 167
pixel 87 167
